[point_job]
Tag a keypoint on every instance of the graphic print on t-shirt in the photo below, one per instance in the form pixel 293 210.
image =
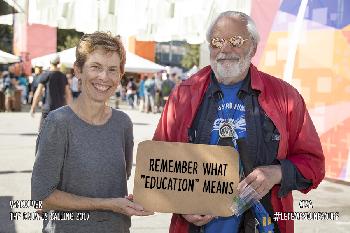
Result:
pixel 231 110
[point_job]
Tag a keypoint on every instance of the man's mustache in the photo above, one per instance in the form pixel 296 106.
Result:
pixel 227 56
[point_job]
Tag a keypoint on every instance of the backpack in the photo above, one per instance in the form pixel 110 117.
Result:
pixel 133 86
pixel 149 86
pixel 167 86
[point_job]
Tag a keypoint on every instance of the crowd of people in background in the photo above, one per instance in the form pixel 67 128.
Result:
pixel 150 93
pixel 146 93
pixel 18 90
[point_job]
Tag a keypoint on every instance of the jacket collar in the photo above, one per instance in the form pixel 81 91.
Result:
pixel 256 81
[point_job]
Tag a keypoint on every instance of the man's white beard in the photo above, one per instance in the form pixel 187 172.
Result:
pixel 226 73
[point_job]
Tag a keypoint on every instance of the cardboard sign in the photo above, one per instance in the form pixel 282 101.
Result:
pixel 186 178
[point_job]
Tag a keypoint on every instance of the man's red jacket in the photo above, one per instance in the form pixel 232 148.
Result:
pixel 299 141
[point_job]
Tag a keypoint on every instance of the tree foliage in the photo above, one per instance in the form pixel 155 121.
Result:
pixel 67 38
pixel 6 38
pixel 191 56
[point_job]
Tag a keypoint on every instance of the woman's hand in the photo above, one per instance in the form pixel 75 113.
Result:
pixel 127 207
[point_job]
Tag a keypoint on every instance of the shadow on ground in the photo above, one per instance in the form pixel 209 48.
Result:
pixel 19 134
pixel 9 172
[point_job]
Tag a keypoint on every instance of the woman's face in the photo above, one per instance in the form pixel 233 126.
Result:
pixel 100 75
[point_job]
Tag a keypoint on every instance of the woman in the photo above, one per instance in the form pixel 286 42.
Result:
pixel 84 150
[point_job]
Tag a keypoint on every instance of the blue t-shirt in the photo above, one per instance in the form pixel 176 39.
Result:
pixel 231 109
pixel 22 81
pixel 142 88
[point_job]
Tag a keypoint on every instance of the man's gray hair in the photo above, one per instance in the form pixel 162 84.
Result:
pixel 251 27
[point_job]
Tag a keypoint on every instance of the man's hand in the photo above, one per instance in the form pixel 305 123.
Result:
pixel 125 206
pixel 198 220
pixel 262 179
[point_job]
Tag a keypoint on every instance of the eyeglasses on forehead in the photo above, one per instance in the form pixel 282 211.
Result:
pixel 235 41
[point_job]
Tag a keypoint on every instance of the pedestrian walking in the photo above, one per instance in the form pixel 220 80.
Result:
pixel 57 90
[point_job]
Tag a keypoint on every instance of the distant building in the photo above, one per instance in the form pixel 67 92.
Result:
pixel 170 53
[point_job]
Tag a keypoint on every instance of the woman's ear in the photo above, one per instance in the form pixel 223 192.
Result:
pixel 77 70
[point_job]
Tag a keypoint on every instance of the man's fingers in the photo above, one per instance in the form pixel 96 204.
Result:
pixel 256 185
pixel 192 217
pixel 247 181
pixel 263 193
pixel 205 219
pixel 197 220
pixel 263 186
pixel 242 185
pixel 202 220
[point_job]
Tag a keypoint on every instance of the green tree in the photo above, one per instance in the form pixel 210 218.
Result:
pixel 191 56
pixel 67 38
pixel 6 38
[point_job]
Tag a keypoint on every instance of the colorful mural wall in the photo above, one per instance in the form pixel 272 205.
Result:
pixel 321 70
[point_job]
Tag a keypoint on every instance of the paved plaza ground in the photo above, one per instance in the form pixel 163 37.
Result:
pixel 18 133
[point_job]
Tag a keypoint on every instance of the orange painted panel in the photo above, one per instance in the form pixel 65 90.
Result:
pixel 145 49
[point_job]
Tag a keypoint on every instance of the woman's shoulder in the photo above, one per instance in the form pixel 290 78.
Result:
pixel 60 115
pixel 121 116
pixel 56 122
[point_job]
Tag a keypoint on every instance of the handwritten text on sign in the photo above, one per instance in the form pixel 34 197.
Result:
pixel 189 167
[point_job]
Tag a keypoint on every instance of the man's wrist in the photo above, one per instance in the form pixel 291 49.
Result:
pixel 278 173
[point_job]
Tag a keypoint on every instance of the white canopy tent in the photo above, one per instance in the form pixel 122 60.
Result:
pixel 134 63
pixel 6 58
pixel 137 64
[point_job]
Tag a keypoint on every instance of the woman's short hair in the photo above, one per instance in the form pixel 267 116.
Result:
pixel 99 40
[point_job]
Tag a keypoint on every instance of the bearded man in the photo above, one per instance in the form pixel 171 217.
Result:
pixel 232 103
